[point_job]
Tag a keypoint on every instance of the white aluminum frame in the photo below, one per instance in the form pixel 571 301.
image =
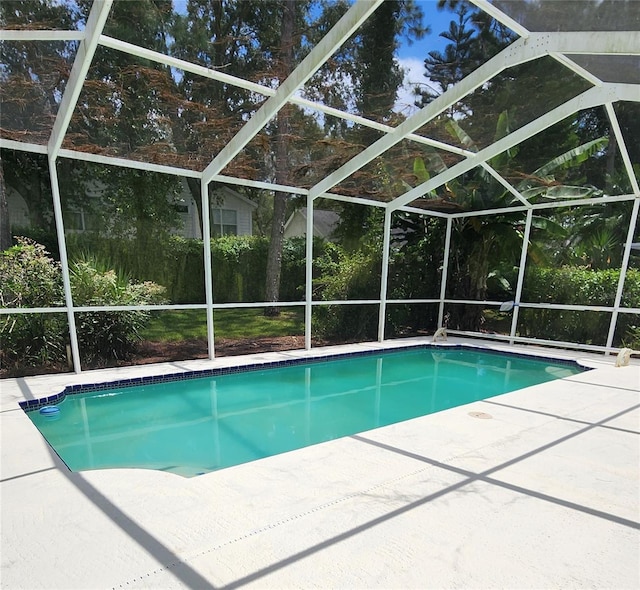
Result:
pixel 560 46
pixel 354 17
pixel 95 23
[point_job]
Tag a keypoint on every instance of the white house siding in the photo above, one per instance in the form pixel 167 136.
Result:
pixel 324 223
pixel 18 209
pixel 296 226
pixel 223 198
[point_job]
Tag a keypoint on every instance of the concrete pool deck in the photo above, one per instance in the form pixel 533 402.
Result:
pixel 544 492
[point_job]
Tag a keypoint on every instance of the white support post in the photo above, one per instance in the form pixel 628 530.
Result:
pixel 445 270
pixel 95 23
pixel 208 275
pixel 521 271
pixel 342 30
pixel 64 263
pixel 615 125
pixel 623 271
pixel 384 275
pixel 308 298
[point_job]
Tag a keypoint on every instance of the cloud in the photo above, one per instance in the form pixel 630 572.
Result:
pixel 413 78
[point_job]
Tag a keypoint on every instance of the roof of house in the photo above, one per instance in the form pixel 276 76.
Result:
pixel 324 222
pixel 225 190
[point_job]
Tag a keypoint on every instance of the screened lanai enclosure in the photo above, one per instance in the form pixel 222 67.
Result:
pixel 182 176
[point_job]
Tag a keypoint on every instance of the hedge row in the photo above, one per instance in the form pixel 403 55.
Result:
pixel 579 286
pixel 238 265
pixel 30 278
pixel 239 272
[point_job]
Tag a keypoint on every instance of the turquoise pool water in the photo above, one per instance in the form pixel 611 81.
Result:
pixel 199 425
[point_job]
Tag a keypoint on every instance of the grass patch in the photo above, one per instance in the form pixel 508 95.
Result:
pixel 171 326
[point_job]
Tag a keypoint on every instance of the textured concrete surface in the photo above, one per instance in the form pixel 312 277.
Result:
pixel 544 493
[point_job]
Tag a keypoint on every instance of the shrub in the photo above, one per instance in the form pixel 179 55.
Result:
pixel 175 262
pixel 292 281
pixel 631 338
pixel 239 265
pixel 347 276
pixel 109 335
pixel 576 286
pixel 30 278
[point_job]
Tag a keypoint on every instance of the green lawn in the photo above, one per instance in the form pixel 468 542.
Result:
pixel 228 323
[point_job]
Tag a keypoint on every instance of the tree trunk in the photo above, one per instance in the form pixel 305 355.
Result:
pixel 274 259
pixel 472 270
pixel 194 189
pixel 5 229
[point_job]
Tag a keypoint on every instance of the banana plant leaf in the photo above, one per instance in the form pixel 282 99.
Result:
pixel 573 157
pixel 460 134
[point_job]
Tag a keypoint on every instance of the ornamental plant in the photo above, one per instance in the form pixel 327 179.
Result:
pixel 109 335
pixel 29 277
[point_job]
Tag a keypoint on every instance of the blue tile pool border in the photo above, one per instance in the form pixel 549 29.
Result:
pixel 36 404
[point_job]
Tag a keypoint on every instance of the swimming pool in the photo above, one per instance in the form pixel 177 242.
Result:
pixel 195 423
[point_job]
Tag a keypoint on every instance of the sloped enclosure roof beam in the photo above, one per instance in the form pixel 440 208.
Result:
pixel 182 64
pixel 573 66
pixel 223 78
pixel 500 16
pixel 506 184
pixel 95 23
pixel 343 29
pixel 12 144
pixel 127 163
pixel 523 50
pixel 588 99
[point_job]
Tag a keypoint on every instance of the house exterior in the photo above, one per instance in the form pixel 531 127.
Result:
pixel 18 208
pixel 230 213
pixel 324 223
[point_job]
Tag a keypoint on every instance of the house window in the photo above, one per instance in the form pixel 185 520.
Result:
pixel 224 222
pixel 81 221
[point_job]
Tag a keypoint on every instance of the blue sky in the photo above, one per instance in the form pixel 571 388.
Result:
pixel 411 57
pixel 438 21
